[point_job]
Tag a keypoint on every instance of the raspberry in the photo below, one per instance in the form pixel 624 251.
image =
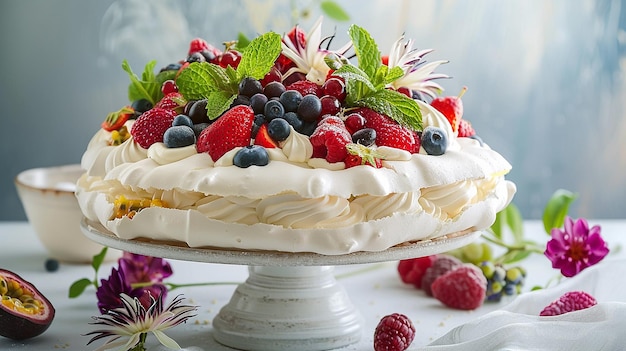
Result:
pixel 412 270
pixel 389 132
pixel 569 302
pixel 329 140
pixel 394 332
pixel 306 87
pixel 442 265
pixel 465 129
pixel 151 125
pixel 461 288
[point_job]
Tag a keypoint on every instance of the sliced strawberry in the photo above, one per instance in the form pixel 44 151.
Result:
pixel 329 140
pixel 231 130
pixel 263 138
pixel 389 132
pixel 115 120
pixel 151 125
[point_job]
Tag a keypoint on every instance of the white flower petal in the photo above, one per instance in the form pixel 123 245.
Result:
pixel 166 340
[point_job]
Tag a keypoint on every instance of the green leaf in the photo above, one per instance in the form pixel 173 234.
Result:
pixel 334 11
pixel 146 88
pixel 497 228
pixel 358 84
pixel 399 107
pixel 515 222
pixel 366 51
pixel 242 41
pixel 259 55
pixel 513 256
pixel 78 287
pixel 394 74
pixel 97 260
pixel 556 209
pixel 200 79
pixel 218 102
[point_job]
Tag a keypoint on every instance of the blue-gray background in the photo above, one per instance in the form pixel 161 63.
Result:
pixel 547 79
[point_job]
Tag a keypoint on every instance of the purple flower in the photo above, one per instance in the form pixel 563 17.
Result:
pixel 109 291
pixel 576 247
pixel 145 271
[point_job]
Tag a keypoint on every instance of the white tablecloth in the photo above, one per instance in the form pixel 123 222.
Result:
pixel 376 292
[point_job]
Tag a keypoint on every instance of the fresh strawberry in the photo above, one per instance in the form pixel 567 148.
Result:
pixel 200 45
pixel 359 155
pixel 451 107
pixel 232 129
pixel 461 288
pixel 115 120
pixel 466 129
pixel 569 302
pixel 172 101
pixel 306 87
pixel 262 138
pixel 394 332
pixel 389 132
pixel 441 266
pixel 412 270
pixel 329 140
pixel 151 125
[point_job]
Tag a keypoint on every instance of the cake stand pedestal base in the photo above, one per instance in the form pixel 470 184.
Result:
pixel 288 308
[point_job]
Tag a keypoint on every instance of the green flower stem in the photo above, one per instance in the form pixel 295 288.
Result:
pixel 141 343
pixel 172 286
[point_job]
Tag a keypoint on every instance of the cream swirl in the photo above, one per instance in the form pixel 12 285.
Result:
pixel 433 118
pixel 162 155
pixel 451 199
pixel 297 147
pixel 128 152
pixel 231 209
pixel 376 207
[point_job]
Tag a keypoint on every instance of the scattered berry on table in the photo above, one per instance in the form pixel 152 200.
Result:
pixel 394 332
pixel 434 141
pixel 412 270
pixel 51 265
pixel 461 288
pixel 569 302
pixel 443 263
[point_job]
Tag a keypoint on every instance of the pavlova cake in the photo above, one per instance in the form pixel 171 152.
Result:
pixel 281 143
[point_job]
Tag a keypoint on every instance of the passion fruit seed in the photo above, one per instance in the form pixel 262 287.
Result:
pixel 15 298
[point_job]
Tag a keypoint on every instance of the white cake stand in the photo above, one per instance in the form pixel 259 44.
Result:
pixel 290 301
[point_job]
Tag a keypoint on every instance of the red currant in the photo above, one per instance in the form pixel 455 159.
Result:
pixel 335 86
pixel 230 58
pixel 405 91
pixel 354 122
pixel 169 86
pixel 330 105
pixel 273 75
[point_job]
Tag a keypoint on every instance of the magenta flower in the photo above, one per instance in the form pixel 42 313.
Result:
pixel 576 247
pixel 145 271
pixel 110 290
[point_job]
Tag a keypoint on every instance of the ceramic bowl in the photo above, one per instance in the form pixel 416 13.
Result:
pixel 47 195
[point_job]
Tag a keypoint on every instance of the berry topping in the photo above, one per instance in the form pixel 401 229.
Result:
pixel 140 106
pixel 115 120
pixel 335 86
pixel 274 89
pixel 389 132
pixel 442 265
pixel 354 122
pixel 394 332
pixel 273 109
pixel 172 101
pixel 257 102
pixel 290 100
pixel 200 45
pixel 359 155
pixel 150 127
pixel 169 86
pixel 250 86
pixel 569 302
pixel 232 129
pixel 434 141
pixel 179 136
pixel 305 87
pixel 310 108
pixel 461 288
pixel 330 105
pixel 251 155
pixel 365 137
pixel 329 140
pixel 451 107
pixel 182 120
pixel 412 270
pixel 263 137
pixel 466 129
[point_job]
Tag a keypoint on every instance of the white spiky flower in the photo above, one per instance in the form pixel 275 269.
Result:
pixel 309 56
pixel 418 74
pixel 128 325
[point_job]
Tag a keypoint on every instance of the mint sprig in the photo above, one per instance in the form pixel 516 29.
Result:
pixel 203 80
pixel 366 84
pixel 149 85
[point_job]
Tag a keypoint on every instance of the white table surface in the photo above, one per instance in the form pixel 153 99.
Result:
pixel 375 293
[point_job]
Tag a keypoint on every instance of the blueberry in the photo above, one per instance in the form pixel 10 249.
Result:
pixel 252 155
pixel 278 129
pixel 434 141
pixel 197 111
pixel 273 89
pixel 290 100
pixel 182 120
pixel 310 108
pixel 179 136
pixel 208 55
pixel 196 57
pixel 250 86
pixel 241 100
pixel 273 109
pixel 257 102
pixel 259 120
pixel 365 136
pixel 140 106
pixel 477 138
pixel 293 119
pixel 171 67
pixel 51 265
pixel 199 127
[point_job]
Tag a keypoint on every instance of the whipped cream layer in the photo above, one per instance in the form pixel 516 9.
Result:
pixel 296 203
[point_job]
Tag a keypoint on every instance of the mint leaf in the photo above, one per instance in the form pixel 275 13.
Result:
pixel 358 84
pixel 393 74
pixel 399 107
pixel 366 51
pixel 556 209
pixel 200 79
pixel 259 55
pixel 218 102
pixel 334 11
pixel 78 287
pixel 146 88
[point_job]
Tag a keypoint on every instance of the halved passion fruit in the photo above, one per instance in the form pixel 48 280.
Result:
pixel 24 311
